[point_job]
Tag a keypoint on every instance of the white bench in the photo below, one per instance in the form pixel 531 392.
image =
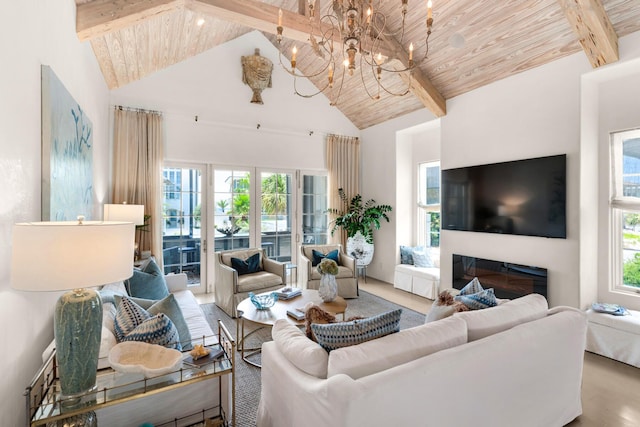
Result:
pixel 423 281
pixel 615 337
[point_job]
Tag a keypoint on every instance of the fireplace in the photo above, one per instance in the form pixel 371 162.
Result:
pixel 508 280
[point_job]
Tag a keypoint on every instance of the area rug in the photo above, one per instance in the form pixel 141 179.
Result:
pixel 248 377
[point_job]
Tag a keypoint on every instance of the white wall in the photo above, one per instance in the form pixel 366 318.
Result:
pixel 611 103
pixel 210 86
pixel 34 32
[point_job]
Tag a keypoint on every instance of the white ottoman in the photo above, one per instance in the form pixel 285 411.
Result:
pixel 615 337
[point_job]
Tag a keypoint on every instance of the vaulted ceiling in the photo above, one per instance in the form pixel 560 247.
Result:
pixel 473 42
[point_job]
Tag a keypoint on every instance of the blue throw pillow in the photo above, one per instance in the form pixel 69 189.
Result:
pixel 319 256
pixel 406 255
pixel 128 316
pixel 478 301
pixel 158 330
pixel 473 287
pixel 251 265
pixel 422 258
pixel 336 335
pixel 148 283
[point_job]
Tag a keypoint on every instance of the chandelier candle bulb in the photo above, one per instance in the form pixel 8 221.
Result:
pixel 294 53
pixel 279 17
pixel 411 52
pixel 429 9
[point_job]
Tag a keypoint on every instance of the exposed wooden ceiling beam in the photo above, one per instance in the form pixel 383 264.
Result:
pixel 100 17
pixel 594 30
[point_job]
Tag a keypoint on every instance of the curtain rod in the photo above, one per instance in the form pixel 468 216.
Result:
pixel 139 110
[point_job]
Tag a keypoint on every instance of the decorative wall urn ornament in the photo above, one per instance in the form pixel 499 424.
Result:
pixel 256 73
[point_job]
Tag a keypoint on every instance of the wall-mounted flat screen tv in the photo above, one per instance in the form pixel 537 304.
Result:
pixel 523 197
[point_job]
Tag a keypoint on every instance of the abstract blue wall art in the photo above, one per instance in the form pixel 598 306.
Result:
pixel 67 153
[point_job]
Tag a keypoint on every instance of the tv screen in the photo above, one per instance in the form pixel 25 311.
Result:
pixel 523 197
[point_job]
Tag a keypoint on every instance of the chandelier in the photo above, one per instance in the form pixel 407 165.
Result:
pixel 353 37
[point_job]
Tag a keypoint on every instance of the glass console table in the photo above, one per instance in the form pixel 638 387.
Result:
pixel 44 405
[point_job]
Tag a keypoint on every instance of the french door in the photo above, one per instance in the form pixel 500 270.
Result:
pixel 184 222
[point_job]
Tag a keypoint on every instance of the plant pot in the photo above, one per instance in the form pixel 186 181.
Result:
pixel 328 289
pixel 360 249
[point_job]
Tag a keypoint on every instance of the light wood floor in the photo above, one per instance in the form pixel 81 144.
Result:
pixel 610 389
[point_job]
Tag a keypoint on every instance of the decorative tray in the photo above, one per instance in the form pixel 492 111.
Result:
pixel 148 359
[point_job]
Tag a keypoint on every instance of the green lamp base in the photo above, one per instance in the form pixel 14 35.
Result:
pixel 78 329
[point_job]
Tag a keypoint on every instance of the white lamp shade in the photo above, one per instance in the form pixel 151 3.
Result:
pixel 55 256
pixel 125 213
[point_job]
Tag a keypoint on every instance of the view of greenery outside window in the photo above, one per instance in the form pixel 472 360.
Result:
pixel 625 209
pixel 276 219
pixel 231 216
pixel 181 231
pixel 429 204
pixel 314 210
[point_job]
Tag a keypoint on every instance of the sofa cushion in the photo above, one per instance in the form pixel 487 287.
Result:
pixel 248 266
pixel 257 281
pixel 128 316
pixel 148 282
pixel 396 349
pixel 303 353
pixel 482 323
pixel 193 315
pixel 319 256
pixel 336 335
pixel 478 301
pixel 158 329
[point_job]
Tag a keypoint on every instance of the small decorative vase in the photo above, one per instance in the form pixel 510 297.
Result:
pixel 328 289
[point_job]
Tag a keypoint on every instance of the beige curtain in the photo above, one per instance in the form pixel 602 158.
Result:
pixel 137 170
pixel 343 163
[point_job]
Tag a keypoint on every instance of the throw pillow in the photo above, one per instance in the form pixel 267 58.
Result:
pixel 336 335
pixel 128 316
pixel 251 265
pixel 148 283
pixel 422 258
pixel 319 256
pixel 473 287
pixel 437 312
pixel 170 307
pixel 406 255
pixel 159 330
pixel 480 300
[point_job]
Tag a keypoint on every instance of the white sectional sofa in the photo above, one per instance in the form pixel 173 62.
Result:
pixel 515 364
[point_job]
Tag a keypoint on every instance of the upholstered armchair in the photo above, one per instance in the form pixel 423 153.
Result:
pixel 237 274
pixel 346 278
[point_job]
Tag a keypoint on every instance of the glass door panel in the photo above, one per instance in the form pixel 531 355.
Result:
pixel 182 206
pixel 314 209
pixel 277 217
pixel 232 209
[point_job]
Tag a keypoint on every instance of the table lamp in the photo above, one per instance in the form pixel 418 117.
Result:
pixel 73 255
pixel 124 212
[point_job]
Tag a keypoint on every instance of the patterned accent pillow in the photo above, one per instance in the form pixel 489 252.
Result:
pixel 336 335
pixel 406 255
pixel 473 287
pixel 251 265
pixel 319 256
pixel 422 258
pixel 128 316
pixel 159 330
pixel 478 301
pixel 149 282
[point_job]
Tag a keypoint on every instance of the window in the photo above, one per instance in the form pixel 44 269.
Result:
pixel 625 210
pixel 429 204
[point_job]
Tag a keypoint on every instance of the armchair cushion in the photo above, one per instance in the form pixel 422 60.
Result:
pixel 342 272
pixel 258 281
pixel 319 256
pixel 248 266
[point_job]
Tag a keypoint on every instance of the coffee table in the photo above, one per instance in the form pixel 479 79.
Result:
pixel 267 318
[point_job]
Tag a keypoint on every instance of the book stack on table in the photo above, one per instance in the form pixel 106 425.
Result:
pixel 288 293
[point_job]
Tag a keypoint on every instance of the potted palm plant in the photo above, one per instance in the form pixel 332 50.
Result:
pixel 359 219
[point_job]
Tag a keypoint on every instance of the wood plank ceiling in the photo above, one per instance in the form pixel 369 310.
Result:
pixel 473 42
